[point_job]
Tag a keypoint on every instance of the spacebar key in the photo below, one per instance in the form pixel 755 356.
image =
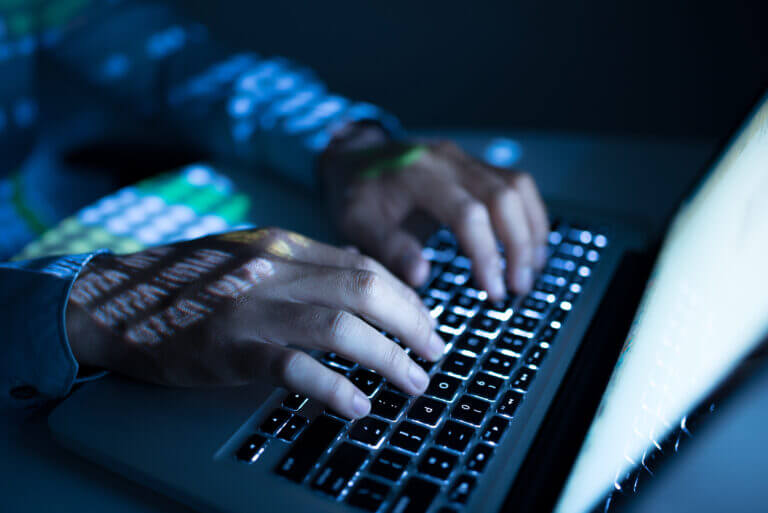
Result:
pixel 309 447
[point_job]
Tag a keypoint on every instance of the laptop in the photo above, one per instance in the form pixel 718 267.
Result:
pixel 560 399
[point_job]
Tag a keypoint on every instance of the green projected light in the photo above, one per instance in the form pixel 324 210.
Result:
pixel 186 204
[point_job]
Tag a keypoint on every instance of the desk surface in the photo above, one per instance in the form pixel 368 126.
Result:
pixel 637 180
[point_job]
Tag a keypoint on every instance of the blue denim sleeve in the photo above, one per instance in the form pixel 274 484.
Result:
pixel 236 106
pixel 37 363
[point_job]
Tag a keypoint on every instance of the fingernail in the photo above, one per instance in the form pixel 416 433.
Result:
pixel 436 346
pixel 360 404
pixel 523 279
pixel 418 377
pixel 541 256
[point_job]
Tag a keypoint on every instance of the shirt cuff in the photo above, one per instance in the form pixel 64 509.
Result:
pixel 38 364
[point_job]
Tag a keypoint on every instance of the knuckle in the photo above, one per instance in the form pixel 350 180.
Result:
pixel 365 284
pixel 394 357
pixel 338 325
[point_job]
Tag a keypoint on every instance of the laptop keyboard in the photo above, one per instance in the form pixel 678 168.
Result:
pixel 409 451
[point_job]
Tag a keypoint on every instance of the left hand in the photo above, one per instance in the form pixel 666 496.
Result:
pixel 480 203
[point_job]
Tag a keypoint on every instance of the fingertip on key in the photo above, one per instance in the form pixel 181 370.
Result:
pixel 418 378
pixel 523 279
pixel 360 404
pixel 436 347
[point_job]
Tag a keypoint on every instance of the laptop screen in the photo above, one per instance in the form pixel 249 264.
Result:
pixel 705 307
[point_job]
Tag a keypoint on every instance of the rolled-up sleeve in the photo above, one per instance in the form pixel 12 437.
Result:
pixel 37 364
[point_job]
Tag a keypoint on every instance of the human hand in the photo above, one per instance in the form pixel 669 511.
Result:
pixel 242 306
pixel 479 202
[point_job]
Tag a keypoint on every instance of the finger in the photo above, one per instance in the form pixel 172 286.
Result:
pixel 297 248
pixel 469 219
pixel 396 248
pixel 510 223
pixel 536 212
pixel 371 296
pixel 341 332
pixel 326 255
pixel 301 373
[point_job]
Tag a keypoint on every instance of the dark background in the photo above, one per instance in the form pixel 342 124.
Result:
pixel 652 67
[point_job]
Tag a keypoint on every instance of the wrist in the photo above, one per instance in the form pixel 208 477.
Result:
pixel 87 340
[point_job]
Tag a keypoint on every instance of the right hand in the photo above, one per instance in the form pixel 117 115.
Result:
pixel 243 306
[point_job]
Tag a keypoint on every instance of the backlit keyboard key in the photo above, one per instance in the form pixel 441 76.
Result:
pixel 472 343
pixel 509 404
pixel 466 303
pixel 535 356
pixel 251 448
pixel 523 378
pixel 499 363
pixel 459 364
pixel 479 457
pixel 409 436
pixel 455 435
pixel 390 465
pixel 275 421
pixel 368 494
pixel 487 326
pixel 437 463
pixel 294 401
pixel 494 430
pixel 521 322
pixel 305 452
pixel 512 342
pixel 486 386
pixel 334 476
pixel 292 428
pixel 462 488
pixel 451 320
pixel 471 410
pixel 388 404
pixel 427 411
pixel 443 387
pixel 416 496
pixel 368 382
pixel 369 431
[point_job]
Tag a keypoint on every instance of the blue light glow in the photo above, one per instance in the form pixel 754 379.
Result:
pixel 503 152
pixel 241 106
pixel 115 66
pixel 166 42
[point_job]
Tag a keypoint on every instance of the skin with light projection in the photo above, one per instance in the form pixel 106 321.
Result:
pixel 246 306
pixel 238 307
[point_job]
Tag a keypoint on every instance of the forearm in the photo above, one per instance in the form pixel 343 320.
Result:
pixel 235 106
